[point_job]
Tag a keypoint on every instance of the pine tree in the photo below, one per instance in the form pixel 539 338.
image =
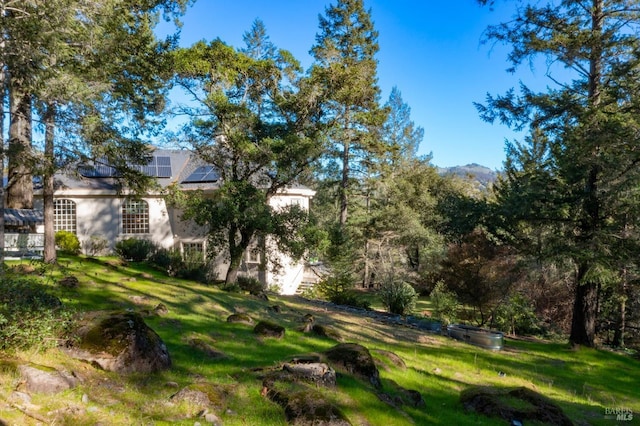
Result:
pixel 346 68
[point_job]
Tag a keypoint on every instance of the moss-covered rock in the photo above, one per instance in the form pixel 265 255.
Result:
pixel 240 318
pixel 391 357
pixel 514 404
pixel 304 406
pixel 206 348
pixel 269 329
pixel 120 342
pixel 355 359
pixel 326 331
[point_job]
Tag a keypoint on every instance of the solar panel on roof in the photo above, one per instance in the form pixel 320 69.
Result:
pixel 97 171
pixel 157 167
pixel 163 167
pixel 203 174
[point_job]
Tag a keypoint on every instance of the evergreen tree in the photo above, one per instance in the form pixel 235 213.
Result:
pixel 399 131
pixel 578 173
pixel 346 68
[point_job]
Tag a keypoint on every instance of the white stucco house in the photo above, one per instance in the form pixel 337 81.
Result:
pixel 89 204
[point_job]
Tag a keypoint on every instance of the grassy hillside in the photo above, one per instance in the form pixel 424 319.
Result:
pixel 583 382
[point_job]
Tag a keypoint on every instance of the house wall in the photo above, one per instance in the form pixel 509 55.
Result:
pixel 101 215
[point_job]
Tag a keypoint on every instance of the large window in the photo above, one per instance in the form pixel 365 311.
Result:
pixel 64 212
pixel 135 217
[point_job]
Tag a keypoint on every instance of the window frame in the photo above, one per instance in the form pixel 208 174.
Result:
pixel 134 216
pixel 65 216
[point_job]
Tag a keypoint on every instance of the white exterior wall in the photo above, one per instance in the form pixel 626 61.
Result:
pixel 289 277
pixel 101 215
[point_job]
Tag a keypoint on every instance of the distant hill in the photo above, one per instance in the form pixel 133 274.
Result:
pixel 484 176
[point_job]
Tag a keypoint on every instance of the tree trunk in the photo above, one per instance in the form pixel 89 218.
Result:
pixel 48 188
pixel 344 184
pixel 237 250
pixel 20 184
pixel 365 276
pixel 232 272
pixel 583 322
pixel 2 204
pixel 621 322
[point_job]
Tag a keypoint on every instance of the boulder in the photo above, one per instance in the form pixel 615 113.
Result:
pixel 317 373
pixel 518 404
pixel 306 407
pixel 161 309
pixel 393 358
pixel 40 379
pixel 326 331
pixel 269 329
pixel 202 396
pixel 240 318
pixel 120 342
pixel 194 397
pixel 397 396
pixel 355 359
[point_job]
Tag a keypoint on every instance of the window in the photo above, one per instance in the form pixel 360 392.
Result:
pixel 64 212
pixel 253 253
pixel 192 251
pixel 135 217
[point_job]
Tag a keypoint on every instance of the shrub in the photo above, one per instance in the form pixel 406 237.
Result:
pixel 29 315
pixel 445 305
pixel 134 249
pixel 516 316
pixel 398 296
pixel 67 242
pixel 351 298
pixel 250 284
pixel 96 245
pixel 167 260
pixel 334 285
pixel 193 267
pixel 173 263
pixel 338 288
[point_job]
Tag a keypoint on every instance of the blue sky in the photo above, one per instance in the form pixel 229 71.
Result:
pixel 429 49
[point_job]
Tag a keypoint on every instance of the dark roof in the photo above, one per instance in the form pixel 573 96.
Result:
pixel 22 217
pixel 168 166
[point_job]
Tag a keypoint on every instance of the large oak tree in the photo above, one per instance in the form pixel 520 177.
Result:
pixel 254 117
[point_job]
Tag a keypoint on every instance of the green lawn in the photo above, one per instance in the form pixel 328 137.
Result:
pixel 584 382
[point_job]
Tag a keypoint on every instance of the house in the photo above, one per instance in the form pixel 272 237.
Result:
pixel 90 205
